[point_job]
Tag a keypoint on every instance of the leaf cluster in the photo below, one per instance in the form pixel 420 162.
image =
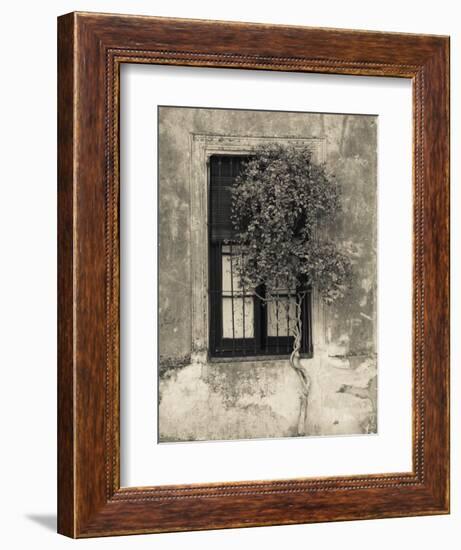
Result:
pixel 281 203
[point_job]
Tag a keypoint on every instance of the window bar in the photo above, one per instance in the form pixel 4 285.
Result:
pixel 218 295
pixel 217 300
pixel 304 321
pixel 309 321
pixel 277 319
pixel 288 320
pixel 300 304
pixel 266 318
pixel 212 300
pixel 243 318
pixel 232 299
pixel 256 322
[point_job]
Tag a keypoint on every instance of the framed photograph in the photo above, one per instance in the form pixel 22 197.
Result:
pixel 253 275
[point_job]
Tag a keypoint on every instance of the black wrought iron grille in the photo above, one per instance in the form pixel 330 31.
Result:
pixel 241 323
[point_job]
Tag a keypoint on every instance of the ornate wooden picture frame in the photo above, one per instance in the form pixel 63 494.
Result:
pixel 92 48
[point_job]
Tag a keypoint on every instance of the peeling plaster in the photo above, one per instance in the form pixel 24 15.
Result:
pixel 200 400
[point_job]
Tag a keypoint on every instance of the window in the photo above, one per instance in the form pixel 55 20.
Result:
pixel 241 324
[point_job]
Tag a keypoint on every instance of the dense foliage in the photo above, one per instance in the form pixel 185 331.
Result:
pixel 280 205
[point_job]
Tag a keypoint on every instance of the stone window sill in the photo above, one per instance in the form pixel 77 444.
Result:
pixel 256 358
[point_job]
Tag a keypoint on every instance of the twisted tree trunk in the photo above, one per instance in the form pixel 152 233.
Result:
pixel 295 363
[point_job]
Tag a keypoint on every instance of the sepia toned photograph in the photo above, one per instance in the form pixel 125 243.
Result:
pixel 267 274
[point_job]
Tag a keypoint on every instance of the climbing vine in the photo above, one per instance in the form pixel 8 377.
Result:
pixel 283 204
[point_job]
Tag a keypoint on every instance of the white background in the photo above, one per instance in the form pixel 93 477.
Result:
pixel 143 461
pixel 28 275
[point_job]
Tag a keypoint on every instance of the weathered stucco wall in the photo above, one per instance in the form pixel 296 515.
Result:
pixel 202 400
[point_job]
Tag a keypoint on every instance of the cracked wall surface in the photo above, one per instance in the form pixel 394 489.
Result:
pixel 203 400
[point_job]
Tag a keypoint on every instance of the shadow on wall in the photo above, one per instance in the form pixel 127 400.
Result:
pixel 47 521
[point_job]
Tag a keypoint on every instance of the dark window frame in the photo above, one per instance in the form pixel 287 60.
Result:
pixel 261 344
